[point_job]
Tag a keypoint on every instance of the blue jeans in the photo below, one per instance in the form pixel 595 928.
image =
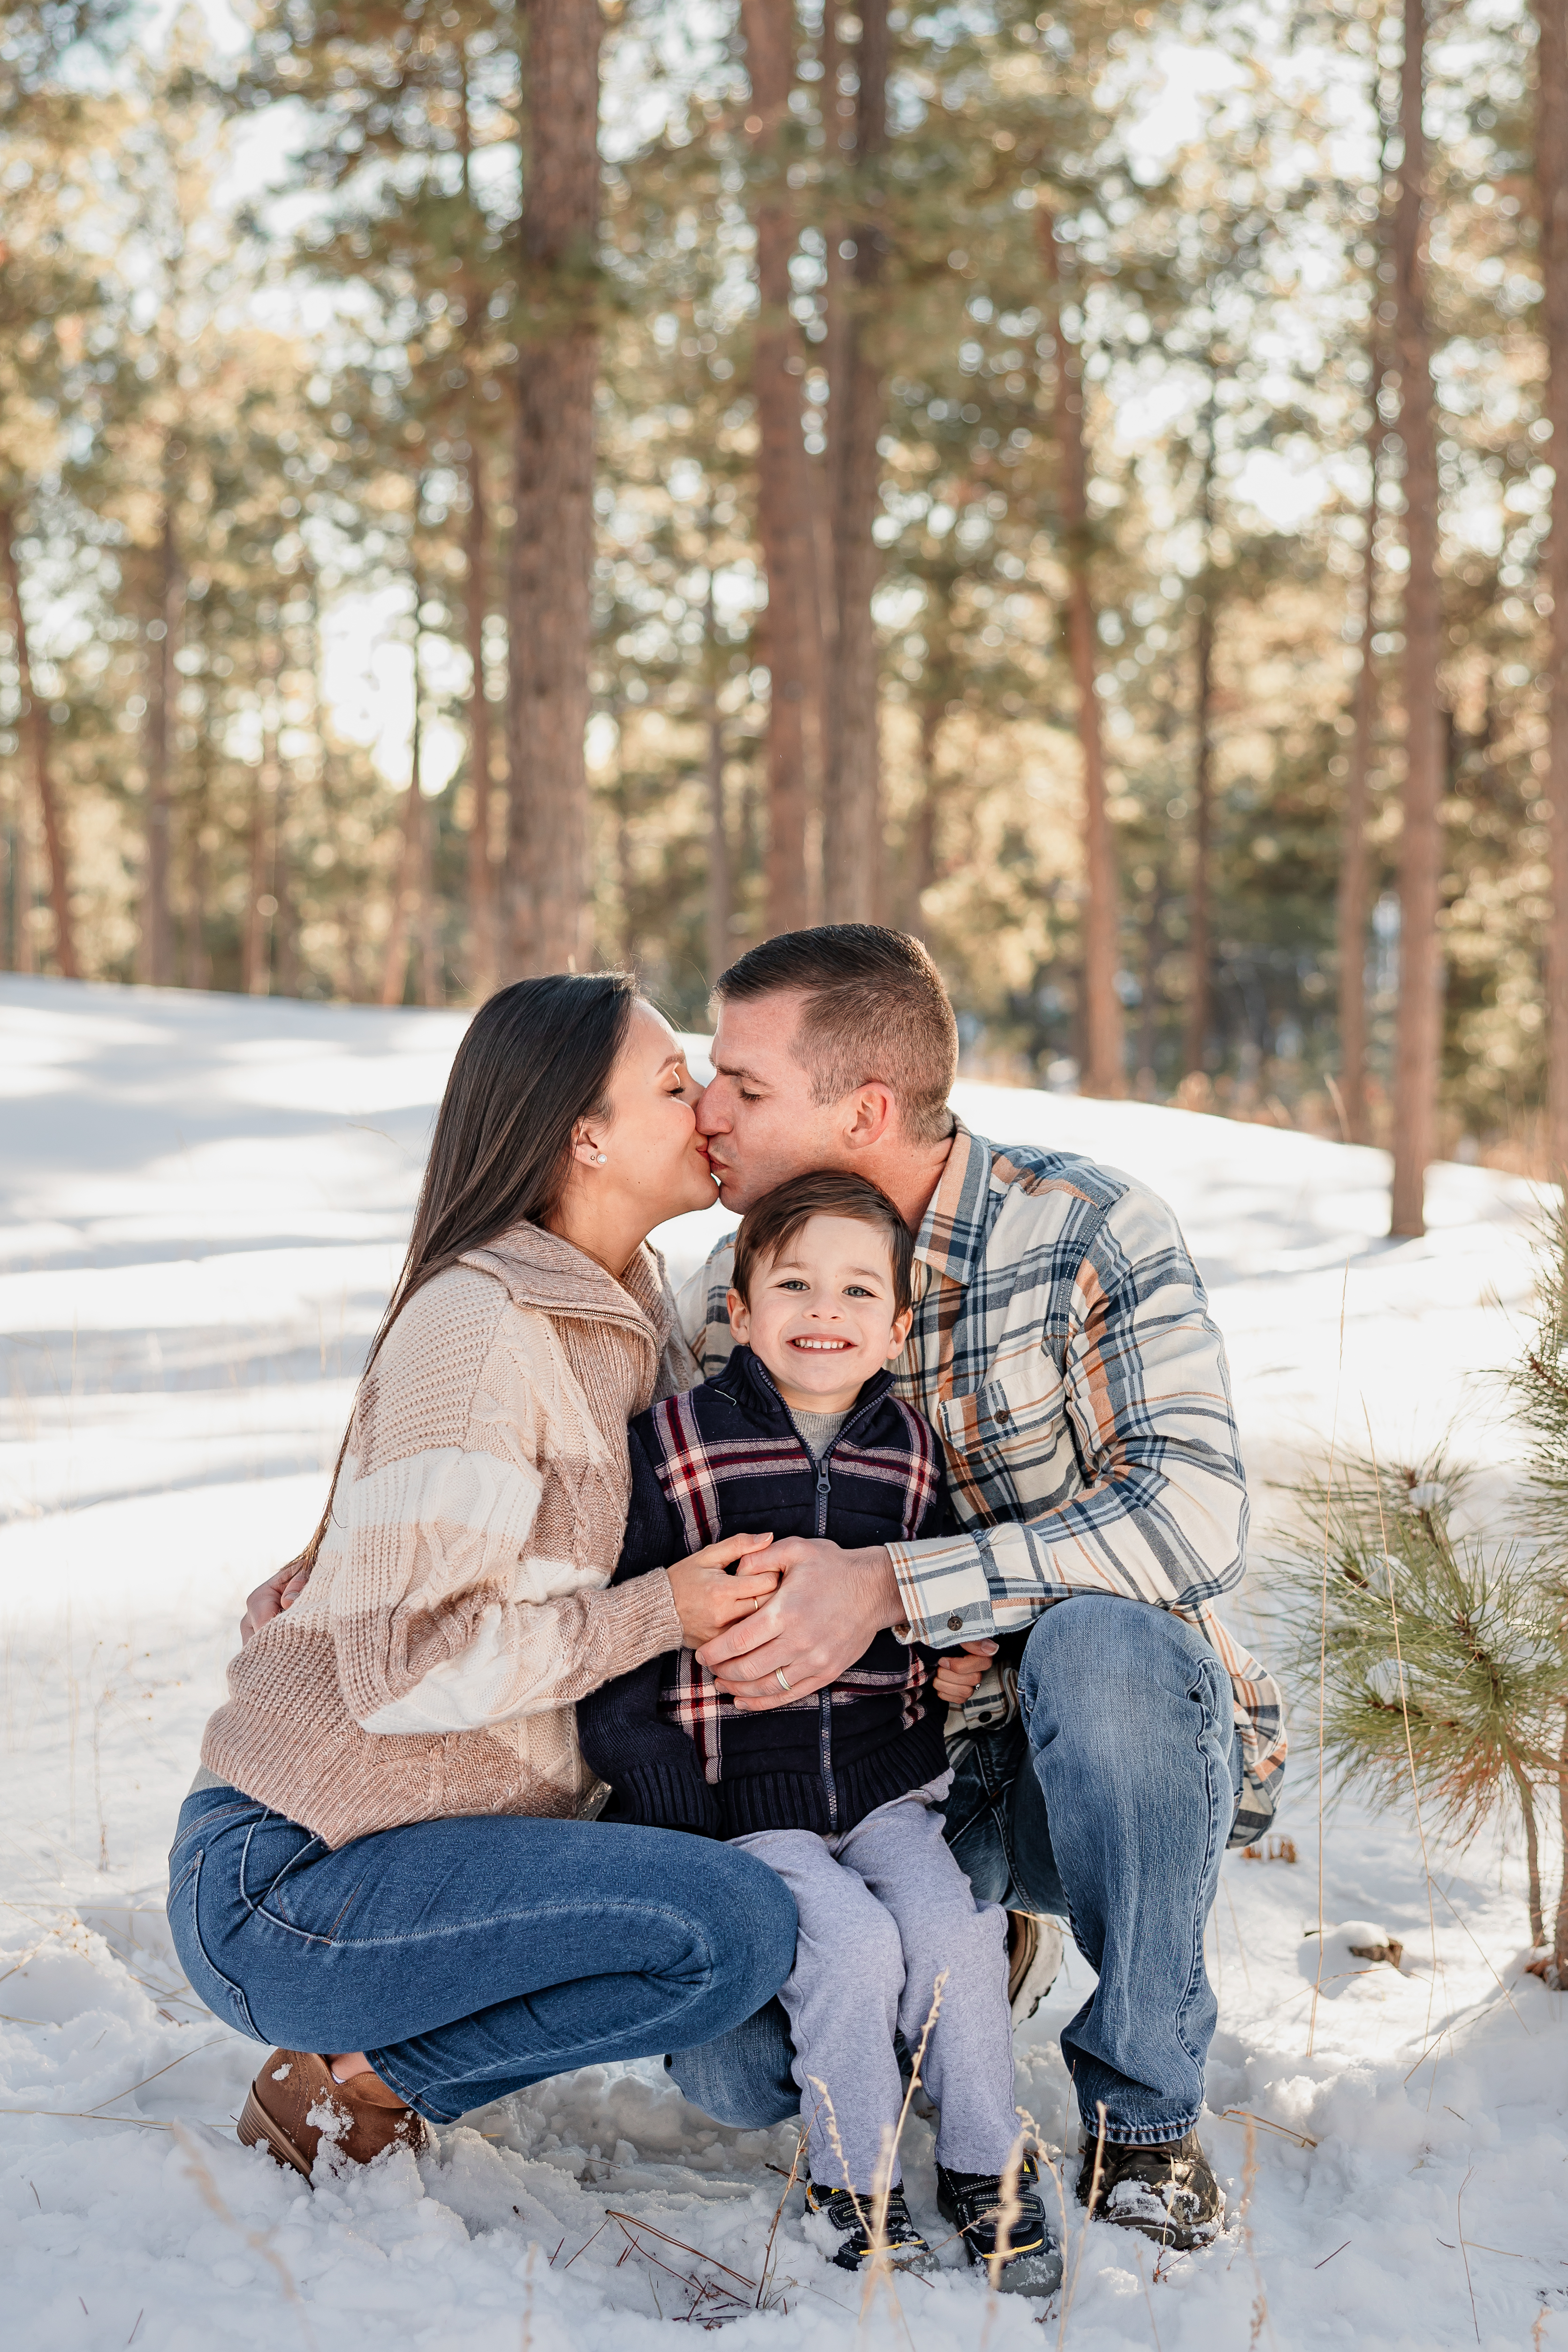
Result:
pixel 470 1957
pixel 1109 1801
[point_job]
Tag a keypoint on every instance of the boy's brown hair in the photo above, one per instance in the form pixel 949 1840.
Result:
pixel 768 1229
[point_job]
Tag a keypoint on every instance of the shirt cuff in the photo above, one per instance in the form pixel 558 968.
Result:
pixel 945 1591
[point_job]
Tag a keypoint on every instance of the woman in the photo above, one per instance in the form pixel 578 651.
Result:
pixel 383 1864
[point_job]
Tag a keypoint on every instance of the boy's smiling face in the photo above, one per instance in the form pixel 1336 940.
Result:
pixel 821 1315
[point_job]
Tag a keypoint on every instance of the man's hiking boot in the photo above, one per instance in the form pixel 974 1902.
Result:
pixel 1034 1959
pixel 1168 2192
pixel 294 2104
pixel 907 2250
pixel 973 2203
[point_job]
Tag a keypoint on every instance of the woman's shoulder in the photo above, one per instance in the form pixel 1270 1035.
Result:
pixel 455 1354
pixel 456 1312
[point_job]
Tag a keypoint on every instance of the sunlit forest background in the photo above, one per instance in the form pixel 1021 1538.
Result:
pixel 901 338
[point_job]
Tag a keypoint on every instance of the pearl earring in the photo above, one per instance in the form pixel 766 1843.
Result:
pixel 598 1159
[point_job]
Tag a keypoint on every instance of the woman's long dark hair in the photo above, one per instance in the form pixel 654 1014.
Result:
pixel 535 1061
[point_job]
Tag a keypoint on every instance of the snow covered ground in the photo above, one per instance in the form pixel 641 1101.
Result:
pixel 203 1202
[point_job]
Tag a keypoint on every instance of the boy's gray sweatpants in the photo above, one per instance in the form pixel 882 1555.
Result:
pixel 884 1909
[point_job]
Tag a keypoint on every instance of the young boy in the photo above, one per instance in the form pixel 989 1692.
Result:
pixel 801 1434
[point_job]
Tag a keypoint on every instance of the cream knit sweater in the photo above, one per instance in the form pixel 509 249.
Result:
pixel 461 1604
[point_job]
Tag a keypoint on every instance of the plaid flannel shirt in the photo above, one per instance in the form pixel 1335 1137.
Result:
pixel 1062 1348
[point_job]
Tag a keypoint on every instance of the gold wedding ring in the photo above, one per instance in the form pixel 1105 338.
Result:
pixel 756 1602
pixel 779 1678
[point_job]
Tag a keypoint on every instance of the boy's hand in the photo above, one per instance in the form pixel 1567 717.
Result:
pixel 718 1586
pixel 959 1674
pixel 279 1592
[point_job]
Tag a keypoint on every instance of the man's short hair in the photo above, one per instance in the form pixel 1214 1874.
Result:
pixel 875 1010
pixel 781 1215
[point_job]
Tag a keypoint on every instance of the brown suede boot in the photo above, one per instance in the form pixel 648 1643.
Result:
pixel 294 2104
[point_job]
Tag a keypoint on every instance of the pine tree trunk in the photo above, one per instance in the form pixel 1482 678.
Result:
pixel 285 918
pixel 23 952
pixel 198 963
pixel 1200 922
pixel 822 470
pixel 1526 1796
pixel 720 886
pixel 481 870
pixel 549 603
pixel 38 731
pixel 1354 891
pixel 1418 1035
pixel 918 864
pixel 255 974
pixel 262 907
pixel 851 806
pixel 157 957
pixel 409 891
pixel 1552 194
pixel 1101 1007
pixel 785 506
pixel 1560 1936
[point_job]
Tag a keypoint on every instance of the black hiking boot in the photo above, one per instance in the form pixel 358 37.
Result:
pixel 907 2250
pixel 972 2202
pixel 1167 2192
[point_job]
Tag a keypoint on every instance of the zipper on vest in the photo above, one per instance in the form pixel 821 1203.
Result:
pixel 824 1750
pixel 823 1487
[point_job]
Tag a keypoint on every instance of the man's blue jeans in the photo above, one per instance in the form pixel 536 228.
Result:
pixel 1109 1802
pixel 470 1957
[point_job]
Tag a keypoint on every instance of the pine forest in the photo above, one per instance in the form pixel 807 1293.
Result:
pixel 497 485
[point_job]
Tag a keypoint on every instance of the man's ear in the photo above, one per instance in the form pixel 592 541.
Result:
pixel 900 1331
pixel 873 1114
pixel 739 1318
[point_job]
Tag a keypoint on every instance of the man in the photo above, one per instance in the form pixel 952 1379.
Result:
pixel 1062 1348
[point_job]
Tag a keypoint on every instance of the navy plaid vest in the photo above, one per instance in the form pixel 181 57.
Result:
pixel 727 1459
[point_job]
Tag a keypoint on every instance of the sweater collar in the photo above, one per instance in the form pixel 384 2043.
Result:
pixel 540 1269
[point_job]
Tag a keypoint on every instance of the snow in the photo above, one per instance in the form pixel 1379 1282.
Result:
pixel 204 1200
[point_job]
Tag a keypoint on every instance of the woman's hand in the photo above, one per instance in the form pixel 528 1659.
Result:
pixel 279 1592
pixel 708 1599
pixel 959 1674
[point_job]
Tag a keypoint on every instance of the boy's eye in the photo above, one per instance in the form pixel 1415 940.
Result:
pixel 857 1290
pixel 791 1282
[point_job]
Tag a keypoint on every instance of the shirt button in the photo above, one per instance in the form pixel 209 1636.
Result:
pixel 956 1624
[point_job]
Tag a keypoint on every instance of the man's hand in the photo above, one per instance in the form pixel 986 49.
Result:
pixel 959 1674
pixel 828 1607
pixel 279 1591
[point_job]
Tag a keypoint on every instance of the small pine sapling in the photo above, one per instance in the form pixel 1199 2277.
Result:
pixel 1540 1390
pixel 1439 1653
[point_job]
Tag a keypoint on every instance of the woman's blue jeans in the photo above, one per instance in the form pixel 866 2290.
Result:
pixel 1108 1802
pixel 470 1957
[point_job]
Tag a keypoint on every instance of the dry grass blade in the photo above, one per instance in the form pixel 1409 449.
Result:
pixel 1323 1652
pixel 1464 2251
pixel 1404 1717
pixel 891 2151
pixel 629 2222
pixel 778 2216
pixel 1007 2213
pixel 159 2070
pixel 1071 2277
pixel 89 2116
pixel 198 2171
pixel 1496 1979
pixel 1287 2131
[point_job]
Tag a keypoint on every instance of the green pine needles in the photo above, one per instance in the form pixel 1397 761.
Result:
pixel 1445 1655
